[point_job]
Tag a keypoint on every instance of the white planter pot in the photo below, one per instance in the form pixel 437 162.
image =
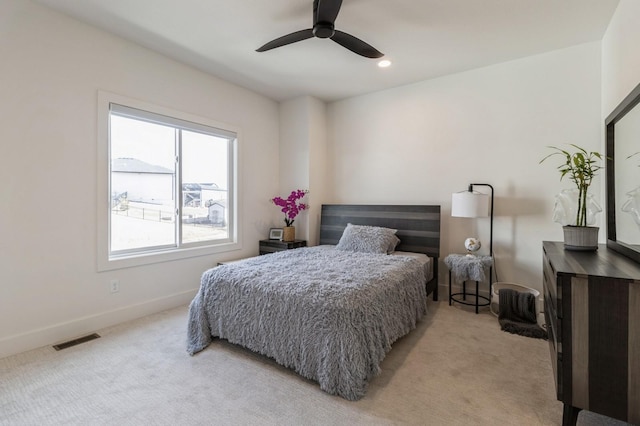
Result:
pixel 581 238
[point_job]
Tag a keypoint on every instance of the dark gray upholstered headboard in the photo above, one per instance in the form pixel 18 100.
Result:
pixel 418 226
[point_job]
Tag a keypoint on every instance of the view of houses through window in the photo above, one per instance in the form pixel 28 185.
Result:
pixel 162 169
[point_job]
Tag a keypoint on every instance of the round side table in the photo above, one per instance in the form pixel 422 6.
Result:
pixel 465 268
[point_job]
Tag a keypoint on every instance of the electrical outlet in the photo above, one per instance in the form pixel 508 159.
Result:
pixel 114 286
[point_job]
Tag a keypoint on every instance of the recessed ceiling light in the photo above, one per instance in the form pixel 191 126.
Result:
pixel 384 63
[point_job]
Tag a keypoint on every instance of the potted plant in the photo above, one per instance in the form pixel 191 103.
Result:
pixel 291 206
pixel 581 166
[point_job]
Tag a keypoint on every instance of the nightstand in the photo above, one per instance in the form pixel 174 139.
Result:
pixel 469 268
pixel 271 246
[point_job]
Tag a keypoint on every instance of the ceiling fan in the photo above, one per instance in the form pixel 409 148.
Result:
pixel 325 13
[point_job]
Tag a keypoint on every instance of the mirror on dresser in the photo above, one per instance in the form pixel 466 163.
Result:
pixel 623 176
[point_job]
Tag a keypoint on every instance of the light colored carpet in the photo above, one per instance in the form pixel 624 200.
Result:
pixel 456 368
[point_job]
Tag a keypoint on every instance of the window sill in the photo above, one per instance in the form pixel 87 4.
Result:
pixel 106 263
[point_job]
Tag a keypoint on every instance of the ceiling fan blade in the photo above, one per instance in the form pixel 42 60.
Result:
pixel 326 10
pixel 287 39
pixel 356 45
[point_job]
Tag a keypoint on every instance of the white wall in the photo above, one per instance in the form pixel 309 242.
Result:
pixel 294 157
pixel 51 70
pixel 620 55
pixel 319 180
pixel 303 160
pixel 620 75
pixel 419 143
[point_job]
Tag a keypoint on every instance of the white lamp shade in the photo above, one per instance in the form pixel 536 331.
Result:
pixel 469 204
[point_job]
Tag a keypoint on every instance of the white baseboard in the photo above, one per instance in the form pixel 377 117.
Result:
pixel 81 326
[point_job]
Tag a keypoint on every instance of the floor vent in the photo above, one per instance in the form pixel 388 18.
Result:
pixel 74 342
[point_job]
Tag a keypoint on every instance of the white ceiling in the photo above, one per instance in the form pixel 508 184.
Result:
pixel 423 38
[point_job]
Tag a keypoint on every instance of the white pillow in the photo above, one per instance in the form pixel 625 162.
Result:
pixel 368 239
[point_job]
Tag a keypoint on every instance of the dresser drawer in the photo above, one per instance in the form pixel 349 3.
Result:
pixel 554 352
pixel 554 323
pixel 551 284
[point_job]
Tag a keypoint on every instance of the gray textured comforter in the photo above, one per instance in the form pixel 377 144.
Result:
pixel 330 315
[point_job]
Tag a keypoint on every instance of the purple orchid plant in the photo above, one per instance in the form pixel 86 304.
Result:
pixel 290 206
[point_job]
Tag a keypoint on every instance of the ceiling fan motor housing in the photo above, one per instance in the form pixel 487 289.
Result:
pixel 323 30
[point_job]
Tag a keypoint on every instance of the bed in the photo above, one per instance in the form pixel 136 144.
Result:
pixel 328 312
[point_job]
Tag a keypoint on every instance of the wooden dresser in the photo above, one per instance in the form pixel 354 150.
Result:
pixel 592 310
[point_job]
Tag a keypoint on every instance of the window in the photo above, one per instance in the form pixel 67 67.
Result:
pixel 171 184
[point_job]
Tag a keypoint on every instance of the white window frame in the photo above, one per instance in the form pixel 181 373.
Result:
pixel 106 261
